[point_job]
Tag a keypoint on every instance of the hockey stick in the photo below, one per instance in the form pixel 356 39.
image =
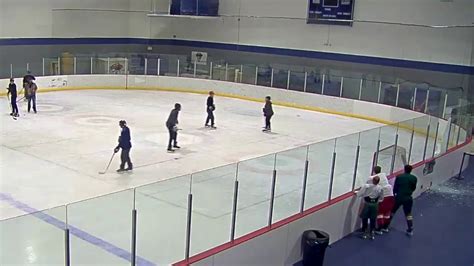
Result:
pixel 108 165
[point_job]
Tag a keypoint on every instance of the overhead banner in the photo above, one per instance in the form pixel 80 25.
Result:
pixel 333 12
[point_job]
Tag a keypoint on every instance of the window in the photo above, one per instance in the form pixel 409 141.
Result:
pixel 194 7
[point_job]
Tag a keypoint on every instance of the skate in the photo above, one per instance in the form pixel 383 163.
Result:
pixel 176 147
pixel 409 232
pixel 385 230
pixel 129 169
pixel 170 150
pixel 372 236
pixel 206 125
pixel 365 235
pixel 213 127
pixel 120 170
pixel 267 130
pixel 378 232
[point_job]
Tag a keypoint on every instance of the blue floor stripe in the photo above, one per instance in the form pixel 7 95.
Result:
pixel 110 248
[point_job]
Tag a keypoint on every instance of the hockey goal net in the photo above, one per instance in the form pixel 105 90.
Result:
pixel 386 155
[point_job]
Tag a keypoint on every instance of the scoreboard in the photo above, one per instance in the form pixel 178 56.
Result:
pixel 333 12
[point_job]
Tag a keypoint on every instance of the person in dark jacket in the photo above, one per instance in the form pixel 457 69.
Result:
pixel 210 107
pixel 26 80
pixel 31 89
pixel 13 94
pixel 268 113
pixel 124 143
pixel 405 185
pixel 171 124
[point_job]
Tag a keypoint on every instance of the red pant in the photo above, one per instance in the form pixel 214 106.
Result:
pixel 385 210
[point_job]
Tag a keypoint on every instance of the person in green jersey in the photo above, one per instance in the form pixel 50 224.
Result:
pixel 405 185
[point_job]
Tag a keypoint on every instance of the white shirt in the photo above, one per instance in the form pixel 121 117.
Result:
pixel 372 191
pixel 387 188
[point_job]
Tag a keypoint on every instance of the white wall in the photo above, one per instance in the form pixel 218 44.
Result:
pixel 453 46
pixel 392 41
pixel 35 18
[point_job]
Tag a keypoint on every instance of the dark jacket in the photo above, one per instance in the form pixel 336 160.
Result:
pixel 125 139
pixel 12 90
pixel 405 185
pixel 27 78
pixel 173 118
pixel 210 103
pixel 268 109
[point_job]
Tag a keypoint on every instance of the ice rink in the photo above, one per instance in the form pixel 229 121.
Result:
pixel 53 158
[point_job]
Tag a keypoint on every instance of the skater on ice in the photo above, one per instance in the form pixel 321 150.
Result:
pixel 31 89
pixel 210 110
pixel 172 125
pixel 12 93
pixel 26 80
pixel 124 143
pixel 268 113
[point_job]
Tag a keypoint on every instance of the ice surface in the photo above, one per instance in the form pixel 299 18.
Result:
pixel 53 158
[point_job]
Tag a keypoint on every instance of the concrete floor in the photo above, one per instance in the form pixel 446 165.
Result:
pixel 53 158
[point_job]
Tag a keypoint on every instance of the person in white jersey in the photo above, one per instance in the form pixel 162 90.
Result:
pixel 385 207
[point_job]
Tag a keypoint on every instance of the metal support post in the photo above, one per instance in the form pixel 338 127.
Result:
pixel 427 101
pixel 210 70
pixel 256 75
pixel 449 135
pixel 305 180
pixel 444 106
pixel 380 92
pixel 411 144
pixel 226 74
pixel 134 238
pixel 435 140
pixel 322 85
pixel 288 80
pixel 398 95
pixel 392 166
pixel 158 66
pixel 342 87
pixel 271 79
pixel 376 160
pixel 331 181
pixel 188 226
pixel 67 247
pixel 413 104
pixel 356 166
pixel 195 68
pixel 146 67
pixel 272 198
pixel 305 81
pixel 177 69
pixel 234 210
pixel 427 138
pixel 360 89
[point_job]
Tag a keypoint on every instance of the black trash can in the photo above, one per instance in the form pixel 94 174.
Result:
pixel 315 243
